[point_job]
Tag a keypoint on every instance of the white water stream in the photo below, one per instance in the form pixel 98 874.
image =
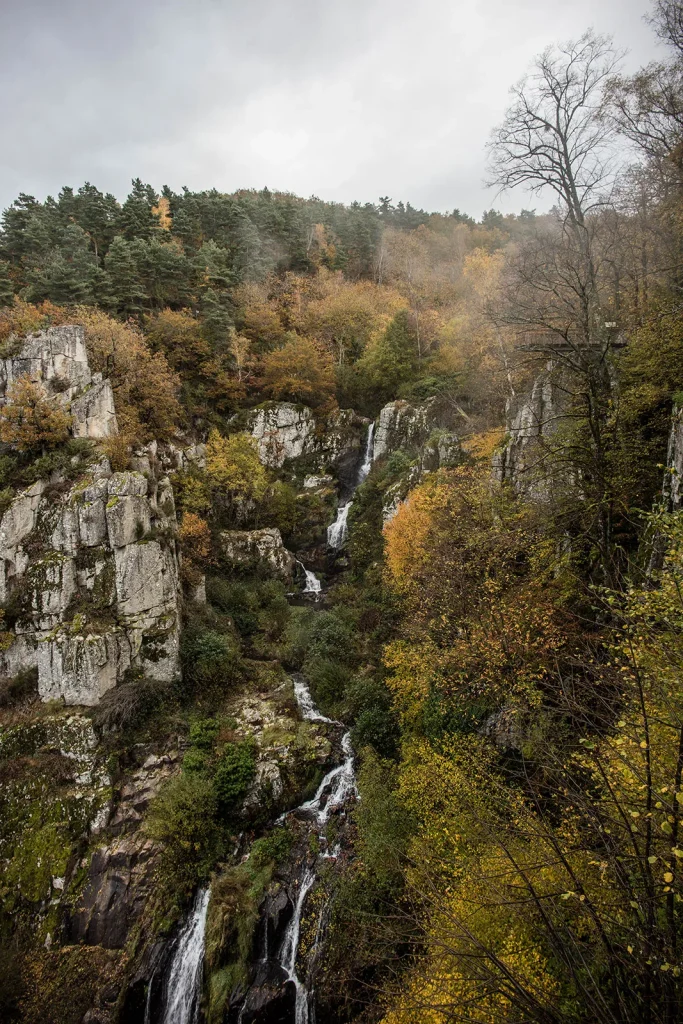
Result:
pixel 183 985
pixel 333 792
pixel 337 531
pixel 313 584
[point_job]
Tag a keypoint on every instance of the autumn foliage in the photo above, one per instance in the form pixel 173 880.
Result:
pixel 30 419
pixel 300 371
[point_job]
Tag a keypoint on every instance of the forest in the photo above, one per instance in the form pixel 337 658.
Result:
pixel 500 626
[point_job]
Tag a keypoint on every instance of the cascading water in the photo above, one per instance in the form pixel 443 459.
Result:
pixel 313 584
pixel 290 948
pixel 333 792
pixel 366 464
pixel 337 531
pixel 183 984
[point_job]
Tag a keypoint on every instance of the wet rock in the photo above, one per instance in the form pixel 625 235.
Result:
pixel 120 880
pixel 271 998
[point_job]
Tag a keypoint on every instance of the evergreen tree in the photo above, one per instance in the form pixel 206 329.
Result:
pixel 67 273
pixel 216 316
pixel 123 289
pixel 137 218
pixel 97 215
pixel 6 285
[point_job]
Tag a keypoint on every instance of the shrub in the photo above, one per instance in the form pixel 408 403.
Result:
pixel 29 420
pixel 20 687
pixel 130 704
pixel 328 681
pixel 272 848
pixel 234 772
pixel 209 658
pixel 203 733
pixel 183 820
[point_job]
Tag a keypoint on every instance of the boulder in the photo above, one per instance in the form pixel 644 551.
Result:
pixel 242 547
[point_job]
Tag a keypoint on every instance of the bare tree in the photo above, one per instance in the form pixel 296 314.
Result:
pixel 647 108
pixel 553 136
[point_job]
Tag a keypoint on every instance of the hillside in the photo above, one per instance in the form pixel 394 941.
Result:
pixel 340 591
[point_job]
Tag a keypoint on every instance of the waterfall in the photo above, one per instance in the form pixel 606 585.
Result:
pixel 290 948
pixel 337 531
pixel 335 789
pixel 305 701
pixel 366 464
pixel 313 584
pixel 183 986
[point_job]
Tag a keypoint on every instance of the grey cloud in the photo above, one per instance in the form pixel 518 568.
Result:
pixel 344 100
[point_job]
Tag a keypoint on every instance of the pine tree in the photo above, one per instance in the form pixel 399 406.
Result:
pixel 137 219
pixel 6 285
pixel 124 291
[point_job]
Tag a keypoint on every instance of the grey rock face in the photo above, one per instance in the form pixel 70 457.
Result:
pixel 402 425
pixel 288 432
pixel 95 595
pixel 93 412
pixel 57 358
pixel 531 419
pixel 92 572
pixel 244 546
pixel 283 431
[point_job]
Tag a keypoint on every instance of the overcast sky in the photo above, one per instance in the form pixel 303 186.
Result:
pixel 350 99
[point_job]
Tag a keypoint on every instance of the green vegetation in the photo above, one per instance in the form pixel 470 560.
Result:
pixel 507 653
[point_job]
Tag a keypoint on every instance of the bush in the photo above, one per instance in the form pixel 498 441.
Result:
pixel 235 770
pixel 272 848
pixel 328 680
pixel 183 820
pixel 203 733
pixel 130 704
pixel 209 658
pixel 30 420
pixel 20 687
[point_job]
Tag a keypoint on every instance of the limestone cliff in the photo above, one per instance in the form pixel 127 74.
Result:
pixel 531 419
pixel 88 566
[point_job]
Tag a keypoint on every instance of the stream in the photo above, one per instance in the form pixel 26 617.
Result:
pixel 334 791
pixel 337 788
pixel 338 531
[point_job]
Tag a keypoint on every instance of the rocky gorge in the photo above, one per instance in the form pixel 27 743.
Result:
pixel 91 582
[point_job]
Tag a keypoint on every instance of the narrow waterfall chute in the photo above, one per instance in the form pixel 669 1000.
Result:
pixel 366 464
pixel 183 984
pixel 338 530
pixel 290 948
